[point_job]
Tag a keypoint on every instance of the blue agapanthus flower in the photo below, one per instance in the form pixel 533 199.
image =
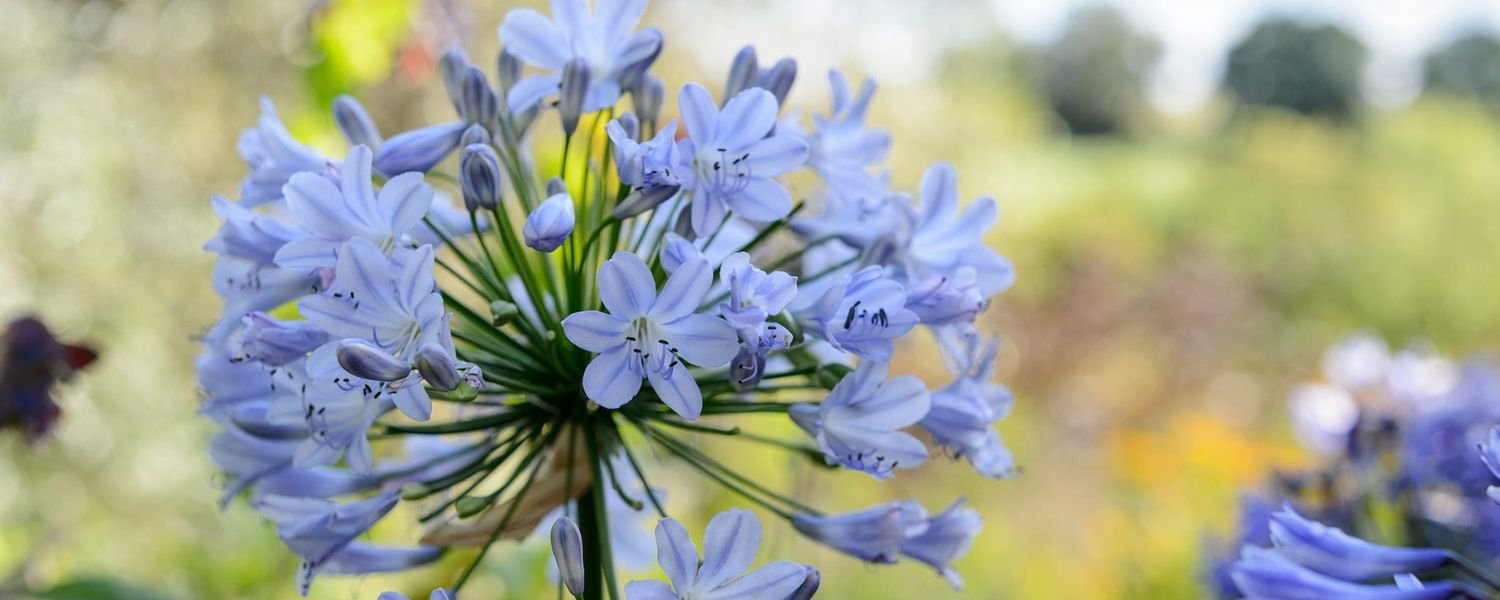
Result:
pixel 442 321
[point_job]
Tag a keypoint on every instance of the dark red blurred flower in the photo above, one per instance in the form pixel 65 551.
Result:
pixel 31 360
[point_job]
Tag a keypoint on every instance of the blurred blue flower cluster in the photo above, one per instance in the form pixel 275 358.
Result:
pixel 1399 506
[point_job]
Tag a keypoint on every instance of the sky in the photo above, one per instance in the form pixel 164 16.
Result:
pixel 877 37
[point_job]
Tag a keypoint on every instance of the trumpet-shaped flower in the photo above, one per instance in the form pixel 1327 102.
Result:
pixel 731 155
pixel 600 38
pixel 942 238
pixel 651 336
pixel 334 214
pixel 397 313
pixel 842 149
pixel 859 314
pixel 273 342
pixel 322 532
pixel 947 537
pixel 729 546
pixel 963 414
pixel 874 535
pixel 273 156
pixel 1265 574
pixel 859 424
pixel 647 167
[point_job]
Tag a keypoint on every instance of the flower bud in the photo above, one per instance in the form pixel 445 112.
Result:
pixel 418 149
pixel 676 250
pixel 549 225
pixel 630 124
pixel 437 367
pixel 502 312
pixel 479 175
pixel 469 506
pixel 644 199
pixel 355 123
pixel 567 550
pixel 452 66
pixel 556 186
pixel 631 74
pixel 480 104
pixel 684 225
pixel 367 361
pixel 575 88
pixel 778 79
pixel 509 69
pixel 276 342
pixel 414 491
pixel 809 586
pixel 475 134
pixel 647 98
pixel 742 73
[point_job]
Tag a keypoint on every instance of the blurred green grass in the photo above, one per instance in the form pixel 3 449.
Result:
pixel 1172 287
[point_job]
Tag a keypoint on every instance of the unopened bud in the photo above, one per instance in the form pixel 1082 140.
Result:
pixel 647 98
pixel 469 506
pixel 414 491
pixel 367 361
pixel 575 88
pixel 509 70
pixel 479 176
pixel 640 51
pixel 779 78
pixel 550 224
pixel 437 367
pixel 480 104
pixel 556 186
pixel 502 312
pixel 418 149
pixel 644 199
pixel 475 134
pixel 355 123
pixel 809 585
pixel 452 66
pixel 742 73
pixel 567 550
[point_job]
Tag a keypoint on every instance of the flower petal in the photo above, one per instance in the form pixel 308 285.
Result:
pixel 318 206
pixel 683 291
pixel 648 590
pixel 775 155
pixel 530 91
pixel 746 118
pixel 626 286
pixel 699 113
pixel 679 391
pixel 771 582
pixel 900 402
pixel 729 546
pixel 703 340
pixel 414 402
pixel 761 200
pixel 533 38
pixel 595 331
pixel 939 192
pixel 404 199
pixel 609 381
pixel 614 18
pixel 676 553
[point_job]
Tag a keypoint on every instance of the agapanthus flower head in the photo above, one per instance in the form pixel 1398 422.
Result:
pixel 565 319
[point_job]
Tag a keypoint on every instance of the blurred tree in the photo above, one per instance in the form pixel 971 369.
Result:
pixel 1470 66
pixel 1093 75
pixel 1310 69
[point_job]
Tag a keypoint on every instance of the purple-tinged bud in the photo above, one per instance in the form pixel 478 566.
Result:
pixel 275 342
pixel 479 175
pixel 630 123
pixel 644 199
pixel 676 250
pixel 480 104
pixel 779 78
pixel 743 73
pixel 556 186
pixel 367 361
pixel 684 225
pixel 355 123
pixel 475 134
pixel 438 367
pixel 452 66
pixel 419 149
pixel 575 88
pixel 809 586
pixel 567 550
pixel 647 98
pixel 647 44
pixel 550 224
pixel 508 69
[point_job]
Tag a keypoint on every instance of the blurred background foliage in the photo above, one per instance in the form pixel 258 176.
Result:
pixel 1178 273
